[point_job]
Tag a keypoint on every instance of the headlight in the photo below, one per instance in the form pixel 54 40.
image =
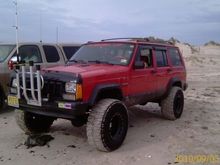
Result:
pixel 73 91
pixel 14 83
pixel 13 88
pixel 70 87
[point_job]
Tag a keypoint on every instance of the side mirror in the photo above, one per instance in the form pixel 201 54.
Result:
pixel 139 65
pixel 12 62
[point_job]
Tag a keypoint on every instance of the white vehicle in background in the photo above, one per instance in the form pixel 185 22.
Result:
pixel 44 54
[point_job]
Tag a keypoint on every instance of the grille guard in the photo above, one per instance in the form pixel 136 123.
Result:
pixel 35 99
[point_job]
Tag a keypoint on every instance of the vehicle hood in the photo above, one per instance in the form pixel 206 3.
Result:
pixel 88 69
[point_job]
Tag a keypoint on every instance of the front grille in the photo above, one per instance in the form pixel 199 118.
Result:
pixel 52 89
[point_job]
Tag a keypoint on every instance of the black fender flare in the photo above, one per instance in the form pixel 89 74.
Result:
pixel 97 90
pixel 174 80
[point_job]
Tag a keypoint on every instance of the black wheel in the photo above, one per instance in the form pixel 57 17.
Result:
pixel 172 106
pixel 2 101
pixel 32 123
pixel 79 121
pixel 144 103
pixel 107 125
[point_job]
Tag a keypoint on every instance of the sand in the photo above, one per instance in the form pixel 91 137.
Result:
pixel 150 140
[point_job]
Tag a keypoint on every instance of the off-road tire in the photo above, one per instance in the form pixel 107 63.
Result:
pixel 144 103
pixel 172 105
pixel 107 125
pixel 2 102
pixel 32 123
pixel 79 121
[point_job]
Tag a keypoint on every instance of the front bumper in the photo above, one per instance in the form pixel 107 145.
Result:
pixel 57 109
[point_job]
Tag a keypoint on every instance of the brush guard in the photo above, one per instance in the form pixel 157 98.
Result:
pixel 21 74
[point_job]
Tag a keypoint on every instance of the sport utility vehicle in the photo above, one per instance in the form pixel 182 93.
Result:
pixel 97 86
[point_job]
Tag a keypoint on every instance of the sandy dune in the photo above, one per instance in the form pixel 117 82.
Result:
pixel 150 139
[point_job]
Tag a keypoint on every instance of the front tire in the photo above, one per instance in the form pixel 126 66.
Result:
pixel 172 106
pixel 2 101
pixel 79 121
pixel 32 123
pixel 107 125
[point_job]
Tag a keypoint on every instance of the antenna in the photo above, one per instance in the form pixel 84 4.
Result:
pixel 40 27
pixel 16 27
pixel 57 35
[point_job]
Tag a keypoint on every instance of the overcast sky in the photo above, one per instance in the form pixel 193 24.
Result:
pixel 193 21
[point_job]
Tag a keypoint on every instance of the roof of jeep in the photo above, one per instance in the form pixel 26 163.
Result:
pixel 136 41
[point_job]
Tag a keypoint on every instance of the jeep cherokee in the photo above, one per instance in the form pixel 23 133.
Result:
pixel 97 86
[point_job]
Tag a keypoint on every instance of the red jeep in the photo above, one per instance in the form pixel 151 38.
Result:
pixel 97 85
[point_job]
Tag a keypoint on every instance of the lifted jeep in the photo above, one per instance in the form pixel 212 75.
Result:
pixel 97 85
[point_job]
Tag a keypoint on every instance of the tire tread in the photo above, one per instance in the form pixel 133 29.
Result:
pixel 167 104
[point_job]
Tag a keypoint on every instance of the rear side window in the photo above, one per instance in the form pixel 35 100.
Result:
pixel 175 57
pixel 51 53
pixel 70 51
pixel 161 58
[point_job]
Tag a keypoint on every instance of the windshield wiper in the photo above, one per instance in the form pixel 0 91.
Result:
pixel 78 61
pixel 100 62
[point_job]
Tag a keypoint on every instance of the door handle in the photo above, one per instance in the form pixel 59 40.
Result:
pixel 153 71
pixel 169 70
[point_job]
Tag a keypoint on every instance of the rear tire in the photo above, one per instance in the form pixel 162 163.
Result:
pixel 107 125
pixel 32 123
pixel 172 106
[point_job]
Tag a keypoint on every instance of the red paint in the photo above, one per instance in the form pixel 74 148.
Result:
pixel 132 81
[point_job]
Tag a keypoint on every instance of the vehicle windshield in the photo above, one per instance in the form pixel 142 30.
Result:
pixel 109 53
pixel 5 50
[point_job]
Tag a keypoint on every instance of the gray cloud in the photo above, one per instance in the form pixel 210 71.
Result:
pixel 191 21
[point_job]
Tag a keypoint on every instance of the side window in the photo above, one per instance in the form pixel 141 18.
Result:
pixel 70 51
pixel 161 58
pixel 28 53
pixel 145 55
pixel 51 53
pixel 175 57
